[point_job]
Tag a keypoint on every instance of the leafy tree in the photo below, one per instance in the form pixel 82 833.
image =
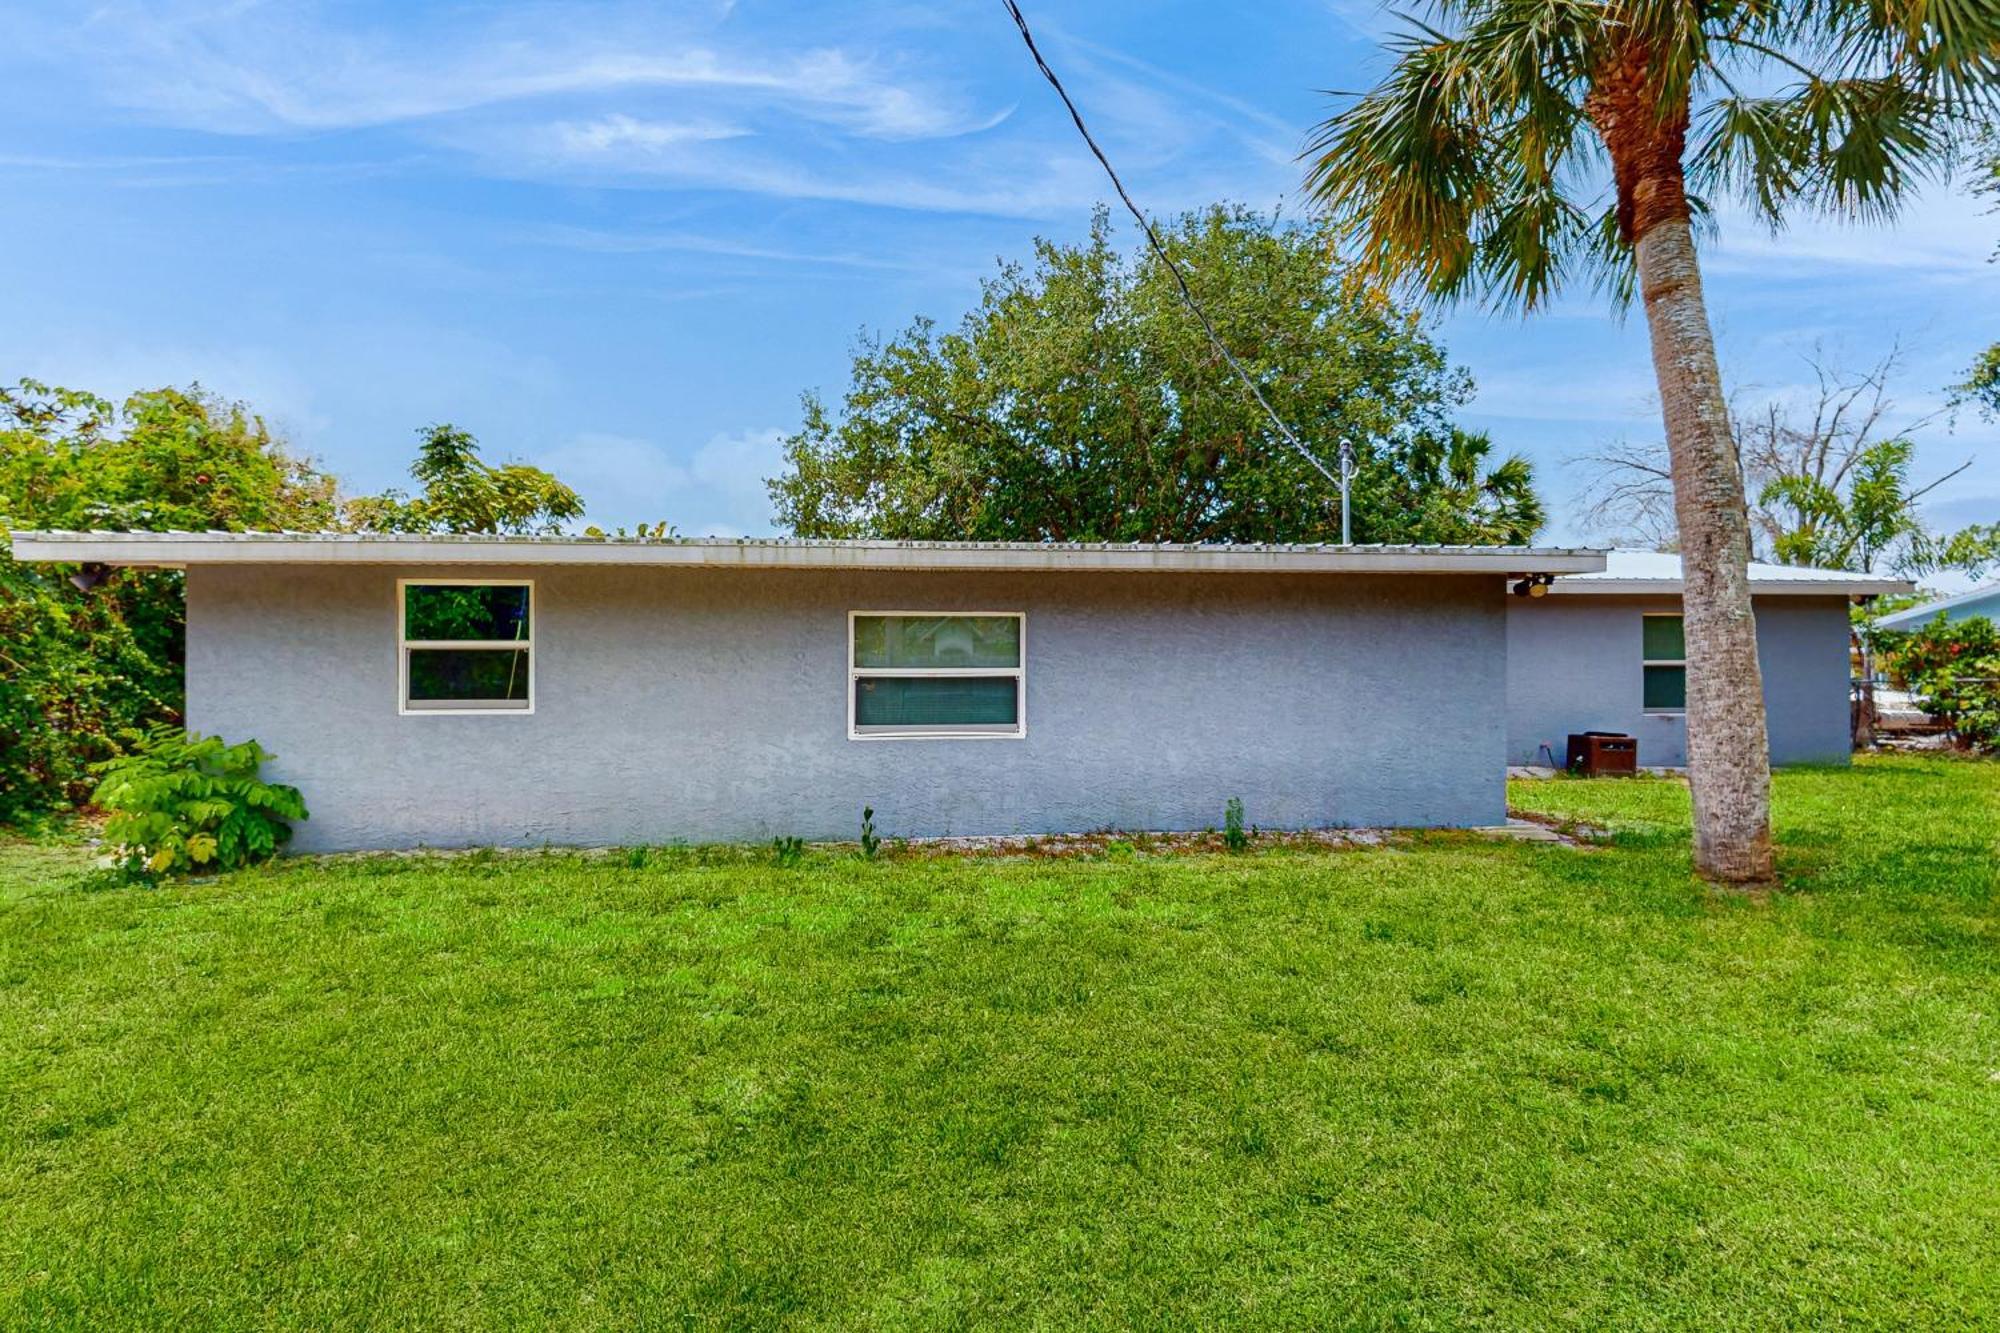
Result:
pixel 1870 520
pixel 82 675
pixel 1080 401
pixel 77 683
pixel 1478 168
pixel 464 493
pixel 1982 382
pixel 168 459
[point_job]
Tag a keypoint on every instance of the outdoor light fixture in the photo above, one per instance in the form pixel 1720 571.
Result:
pixel 88 577
pixel 1534 585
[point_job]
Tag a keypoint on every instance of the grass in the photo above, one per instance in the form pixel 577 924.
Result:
pixel 1452 1082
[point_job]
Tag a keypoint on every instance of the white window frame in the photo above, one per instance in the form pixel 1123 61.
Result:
pixel 1645 661
pixel 1019 671
pixel 404 644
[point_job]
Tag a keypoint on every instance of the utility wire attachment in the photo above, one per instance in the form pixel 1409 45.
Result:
pixel 1180 280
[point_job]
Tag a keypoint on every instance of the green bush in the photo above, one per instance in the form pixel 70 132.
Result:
pixel 1954 671
pixel 183 802
pixel 84 673
pixel 1233 835
pixel 81 678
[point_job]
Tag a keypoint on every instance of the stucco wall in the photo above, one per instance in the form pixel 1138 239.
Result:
pixel 1573 664
pixel 712 706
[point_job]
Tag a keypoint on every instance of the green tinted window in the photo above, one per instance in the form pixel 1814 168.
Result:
pixel 936 701
pixel 935 642
pixel 937 675
pixel 1666 688
pixel 447 678
pixel 493 612
pixel 1664 639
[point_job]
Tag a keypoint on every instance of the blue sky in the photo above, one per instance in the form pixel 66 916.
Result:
pixel 619 239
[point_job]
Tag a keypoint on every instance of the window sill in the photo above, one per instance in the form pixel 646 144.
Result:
pixel 937 735
pixel 465 712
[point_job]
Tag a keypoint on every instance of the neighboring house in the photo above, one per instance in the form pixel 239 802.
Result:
pixel 1604 651
pixel 1979 602
pixel 476 690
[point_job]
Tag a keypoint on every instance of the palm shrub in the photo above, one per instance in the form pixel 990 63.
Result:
pixel 183 802
pixel 1517 147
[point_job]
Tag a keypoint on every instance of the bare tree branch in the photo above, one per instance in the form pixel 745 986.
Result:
pixel 1822 438
pixel 1922 491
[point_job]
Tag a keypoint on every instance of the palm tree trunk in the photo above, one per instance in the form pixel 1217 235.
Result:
pixel 1729 757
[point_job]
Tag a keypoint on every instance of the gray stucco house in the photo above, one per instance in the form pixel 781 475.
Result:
pixel 1603 651
pixel 472 690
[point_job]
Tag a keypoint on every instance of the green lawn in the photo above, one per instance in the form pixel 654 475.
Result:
pixel 1451 1082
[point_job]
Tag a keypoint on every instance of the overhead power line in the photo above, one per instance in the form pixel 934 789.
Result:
pixel 1180 280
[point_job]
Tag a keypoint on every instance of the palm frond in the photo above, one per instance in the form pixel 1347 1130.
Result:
pixel 1402 171
pixel 1615 271
pixel 1532 239
pixel 1746 146
pixel 1452 176
pixel 1470 168
pixel 1852 147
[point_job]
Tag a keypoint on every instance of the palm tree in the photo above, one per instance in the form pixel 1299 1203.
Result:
pixel 1480 166
pixel 1448 489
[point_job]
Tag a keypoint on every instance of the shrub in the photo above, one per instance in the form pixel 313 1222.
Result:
pixel 1233 835
pixel 84 673
pixel 81 677
pixel 788 851
pixel 871 841
pixel 183 802
pixel 1954 671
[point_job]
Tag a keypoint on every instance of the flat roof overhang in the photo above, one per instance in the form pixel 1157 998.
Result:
pixel 178 550
pixel 1858 585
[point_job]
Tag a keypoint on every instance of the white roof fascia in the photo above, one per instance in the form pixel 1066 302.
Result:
pixel 180 549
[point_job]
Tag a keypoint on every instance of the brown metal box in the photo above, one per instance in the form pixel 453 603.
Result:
pixel 1598 753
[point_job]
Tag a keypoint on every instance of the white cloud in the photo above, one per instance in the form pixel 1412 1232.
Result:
pixel 588 94
pixel 634 243
pixel 730 471
pixel 1942 235
pixel 1017 179
pixel 1367 19
pixel 267 70
pixel 1063 186
pixel 268 381
pixel 622 131
pixel 1278 139
pixel 717 490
